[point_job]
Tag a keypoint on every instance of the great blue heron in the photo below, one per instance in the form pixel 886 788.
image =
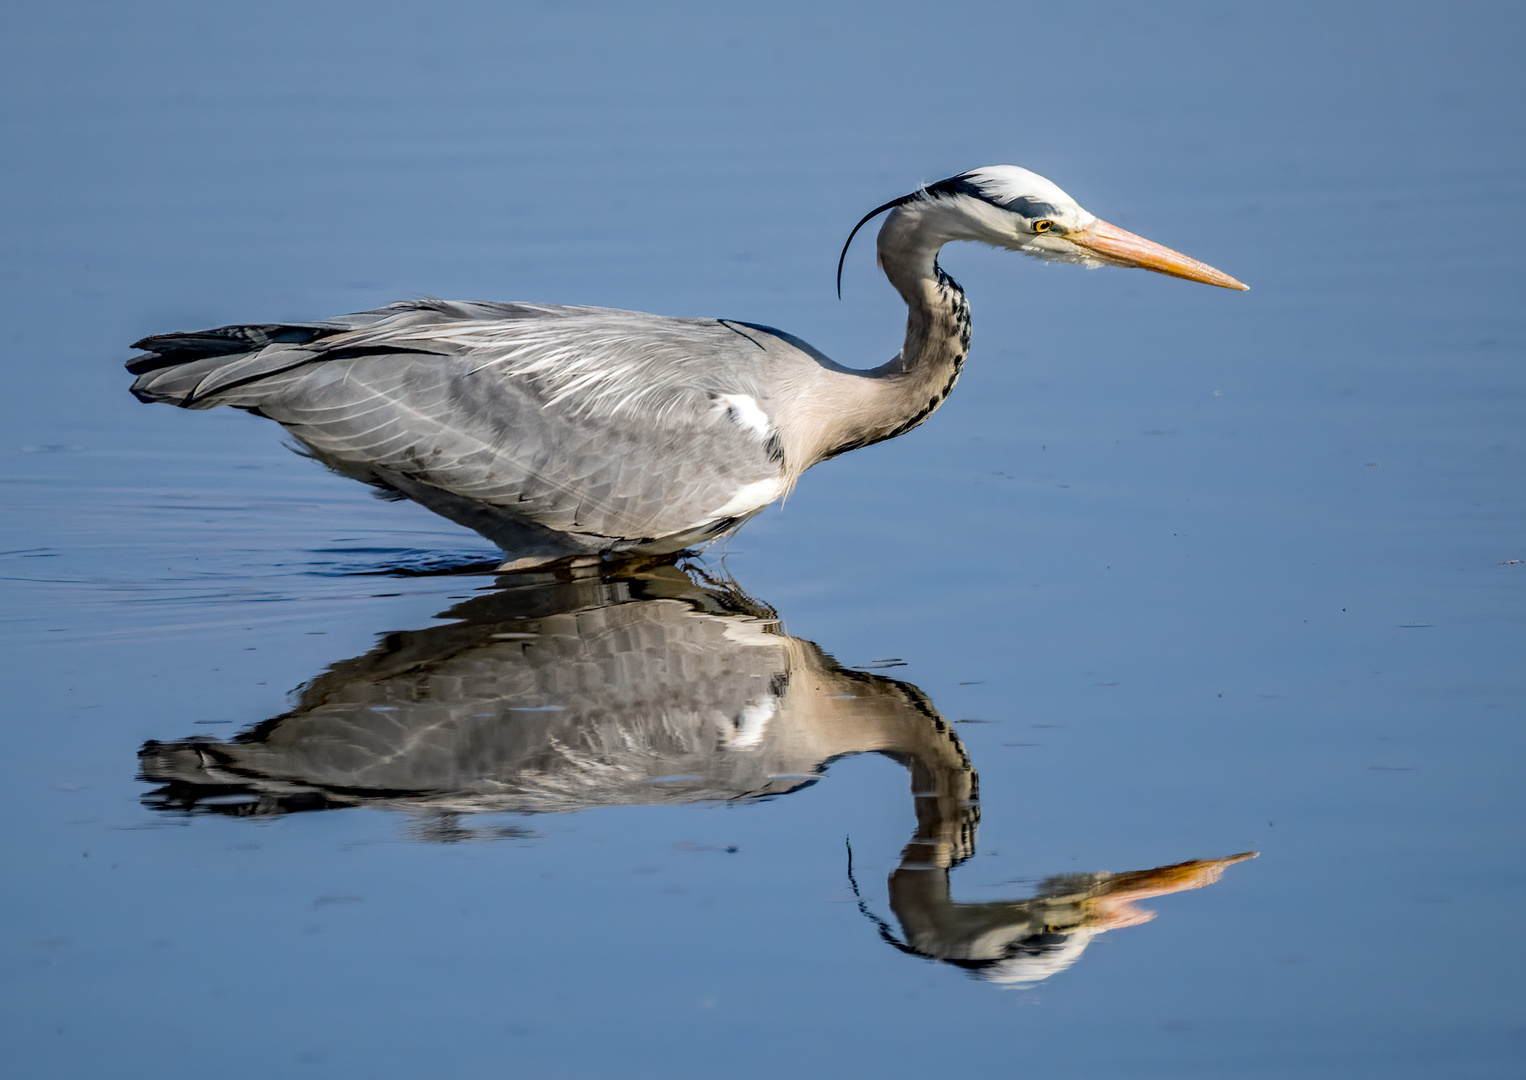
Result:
pixel 559 432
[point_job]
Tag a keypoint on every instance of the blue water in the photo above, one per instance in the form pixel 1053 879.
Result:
pixel 1203 572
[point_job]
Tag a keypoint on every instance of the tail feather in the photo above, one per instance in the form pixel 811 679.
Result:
pixel 187 368
pixel 198 369
pixel 168 350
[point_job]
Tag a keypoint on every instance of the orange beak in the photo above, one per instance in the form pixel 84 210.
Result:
pixel 1123 248
pixel 1115 903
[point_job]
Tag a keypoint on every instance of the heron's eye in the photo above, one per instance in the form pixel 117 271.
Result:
pixel 1043 226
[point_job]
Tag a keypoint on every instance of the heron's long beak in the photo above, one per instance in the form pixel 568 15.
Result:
pixel 1114 904
pixel 1123 248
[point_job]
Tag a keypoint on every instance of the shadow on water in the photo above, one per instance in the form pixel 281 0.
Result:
pixel 344 562
pixel 553 694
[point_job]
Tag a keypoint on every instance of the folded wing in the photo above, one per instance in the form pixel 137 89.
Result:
pixel 618 429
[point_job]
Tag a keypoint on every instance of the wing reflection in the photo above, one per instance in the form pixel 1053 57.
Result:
pixel 556 695
pixel 544 697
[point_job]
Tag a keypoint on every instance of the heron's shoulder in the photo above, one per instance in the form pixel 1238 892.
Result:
pixel 433 309
pixel 599 332
pixel 518 327
pixel 590 360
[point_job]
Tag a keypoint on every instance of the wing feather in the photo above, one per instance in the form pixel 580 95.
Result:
pixel 591 421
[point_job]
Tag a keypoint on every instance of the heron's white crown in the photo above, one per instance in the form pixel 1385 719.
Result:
pixel 1004 183
pixel 1001 205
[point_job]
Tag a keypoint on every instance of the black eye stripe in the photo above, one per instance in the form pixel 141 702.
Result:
pixel 1030 207
pixel 1026 205
pixel 957 185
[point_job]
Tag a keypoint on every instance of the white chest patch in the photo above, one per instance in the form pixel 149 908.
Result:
pixel 748 497
pixel 744 410
pixel 746 731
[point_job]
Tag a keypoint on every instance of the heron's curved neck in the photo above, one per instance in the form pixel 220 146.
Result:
pixel 938 317
pixel 901 394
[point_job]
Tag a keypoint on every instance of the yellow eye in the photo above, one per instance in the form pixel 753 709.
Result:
pixel 1043 226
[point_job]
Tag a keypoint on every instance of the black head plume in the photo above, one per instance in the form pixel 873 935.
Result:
pixel 891 205
pixel 954 185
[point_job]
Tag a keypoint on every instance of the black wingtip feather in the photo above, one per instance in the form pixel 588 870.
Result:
pixel 142 365
pixel 167 350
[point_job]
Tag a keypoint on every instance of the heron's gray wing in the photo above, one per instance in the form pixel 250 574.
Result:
pixel 585 420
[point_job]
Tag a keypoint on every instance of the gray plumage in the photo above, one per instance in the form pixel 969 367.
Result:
pixel 658 689
pixel 553 431
pixel 565 696
pixel 573 431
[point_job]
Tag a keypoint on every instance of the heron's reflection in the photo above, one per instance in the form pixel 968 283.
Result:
pixel 1021 942
pixel 553 695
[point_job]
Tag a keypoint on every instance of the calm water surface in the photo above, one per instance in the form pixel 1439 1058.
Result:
pixel 888 784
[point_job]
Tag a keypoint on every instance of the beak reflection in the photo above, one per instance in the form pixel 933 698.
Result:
pixel 554 695
pixel 1018 943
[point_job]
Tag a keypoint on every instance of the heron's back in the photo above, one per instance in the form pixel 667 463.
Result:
pixel 585 428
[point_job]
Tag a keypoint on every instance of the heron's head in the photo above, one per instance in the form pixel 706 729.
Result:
pixel 1010 207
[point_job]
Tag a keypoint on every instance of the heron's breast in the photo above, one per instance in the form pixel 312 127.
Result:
pixel 749 497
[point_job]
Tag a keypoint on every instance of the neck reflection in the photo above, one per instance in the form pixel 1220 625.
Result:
pixel 555 695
